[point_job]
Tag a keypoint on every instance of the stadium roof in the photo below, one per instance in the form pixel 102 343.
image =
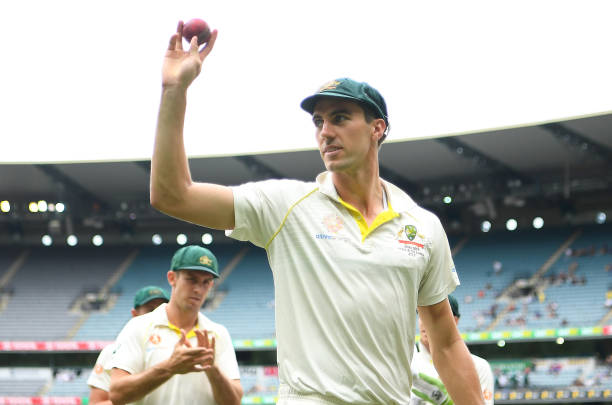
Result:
pixel 565 166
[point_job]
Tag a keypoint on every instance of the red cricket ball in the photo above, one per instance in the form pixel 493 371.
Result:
pixel 196 28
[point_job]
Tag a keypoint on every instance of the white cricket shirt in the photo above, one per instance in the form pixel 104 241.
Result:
pixel 149 339
pixel 423 363
pixel 345 293
pixel 100 374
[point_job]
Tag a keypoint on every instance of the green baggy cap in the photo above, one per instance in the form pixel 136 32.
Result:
pixel 195 258
pixel 149 293
pixel 350 89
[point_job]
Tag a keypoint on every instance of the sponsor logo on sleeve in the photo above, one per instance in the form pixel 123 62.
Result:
pixel 155 339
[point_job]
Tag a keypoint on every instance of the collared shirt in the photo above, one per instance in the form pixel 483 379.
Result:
pixel 149 339
pixel 423 363
pixel 100 374
pixel 345 292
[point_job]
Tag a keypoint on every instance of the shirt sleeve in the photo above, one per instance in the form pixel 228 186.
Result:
pixel 260 208
pixel 100 375
pixel 129 349
pixel 225 356
pixel 440 277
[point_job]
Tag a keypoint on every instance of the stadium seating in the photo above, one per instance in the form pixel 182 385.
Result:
pixel 551 373
pixel 248 308
pixel 149 268
pixel 521 254
pixel 23 381
pixel 75 384
pixel 47 284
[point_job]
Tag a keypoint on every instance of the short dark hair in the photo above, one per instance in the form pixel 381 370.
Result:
pixel 370 114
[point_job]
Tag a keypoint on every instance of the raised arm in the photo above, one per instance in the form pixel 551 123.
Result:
pixel 450 355
pixel 172 189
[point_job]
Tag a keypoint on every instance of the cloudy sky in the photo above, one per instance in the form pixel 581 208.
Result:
pixel 81 79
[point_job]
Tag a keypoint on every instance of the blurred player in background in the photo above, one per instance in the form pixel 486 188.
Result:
pixel 145 301
pixel 426 384
pixel 176 355
pixel 352 255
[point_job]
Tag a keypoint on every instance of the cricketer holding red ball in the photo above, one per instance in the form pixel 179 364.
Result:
pixel 352 255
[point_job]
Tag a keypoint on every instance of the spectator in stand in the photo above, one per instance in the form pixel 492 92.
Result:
pixel 526 375
pixel 497 267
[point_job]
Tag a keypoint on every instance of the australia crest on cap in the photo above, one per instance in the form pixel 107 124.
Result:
pixel 331 85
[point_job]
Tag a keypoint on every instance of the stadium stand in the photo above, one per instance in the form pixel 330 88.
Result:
pixel 551 373
pixel 148 268
pixel 519 254
pixel 23 381
pixel 248 308
pixel 45 287
pixel 69 382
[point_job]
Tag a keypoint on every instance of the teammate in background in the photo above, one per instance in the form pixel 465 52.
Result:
pixel 351 254
pixel 175 355
pixel 145 301
pixel 426 385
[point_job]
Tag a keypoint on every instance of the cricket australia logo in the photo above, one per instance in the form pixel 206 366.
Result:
pixel 406 237
pixel 410 231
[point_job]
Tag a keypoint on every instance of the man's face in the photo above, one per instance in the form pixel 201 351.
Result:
pixel 148 307
pixel 344 137
pixel 190 288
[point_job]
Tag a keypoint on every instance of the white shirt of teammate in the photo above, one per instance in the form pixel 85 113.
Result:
pixel 100 375
pixel 149 339
pixel 423 363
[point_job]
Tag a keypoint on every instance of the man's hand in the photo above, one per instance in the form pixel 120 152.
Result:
pixel 181 67
pixel 430 389
pixel 187 359
pixel 207 344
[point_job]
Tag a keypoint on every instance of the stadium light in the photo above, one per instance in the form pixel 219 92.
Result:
pixel 485 226
pixel 511 224
pixel 60 207
pixel 46 240
pixel 538 222
pixel 72 240
pixel 181 238
pixel 560 340
pixel 447 199
pixel 207 239
pixel 42 206
pixel 600 218
pixel 156 239
pixel 97 240
pixel 5 206
pixel 501 343
pixel 33 207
